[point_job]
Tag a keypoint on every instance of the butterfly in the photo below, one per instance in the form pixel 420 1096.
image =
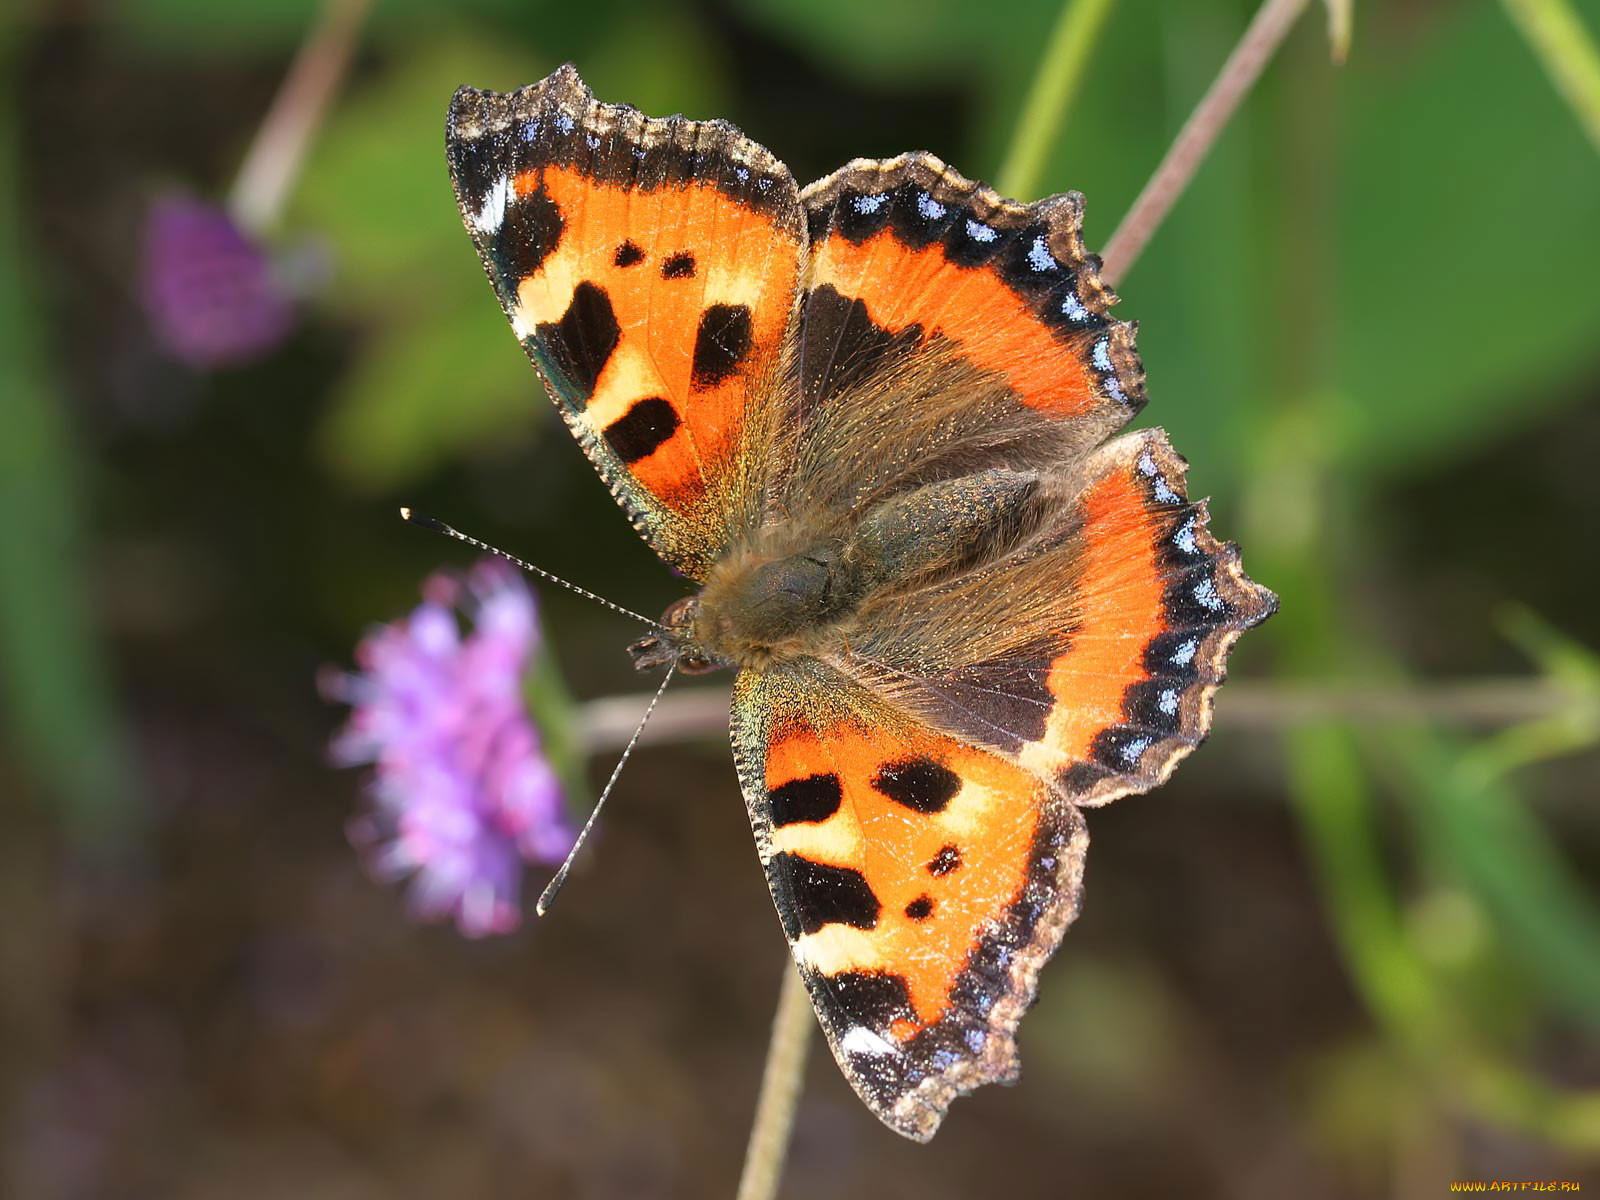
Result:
pixel 875 421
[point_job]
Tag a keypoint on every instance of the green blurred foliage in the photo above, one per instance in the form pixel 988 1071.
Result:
pixel 432 378
pixel 1477 278
pixel 53 679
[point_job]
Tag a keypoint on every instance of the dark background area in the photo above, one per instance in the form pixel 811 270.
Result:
pixel 1342 953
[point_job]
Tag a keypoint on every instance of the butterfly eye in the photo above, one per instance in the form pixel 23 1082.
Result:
pixel 679 614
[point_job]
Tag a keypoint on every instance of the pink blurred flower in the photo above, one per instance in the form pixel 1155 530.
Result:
pixel 212 295
pixel 462 796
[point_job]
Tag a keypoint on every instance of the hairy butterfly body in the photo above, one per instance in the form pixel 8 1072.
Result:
pixel 874 420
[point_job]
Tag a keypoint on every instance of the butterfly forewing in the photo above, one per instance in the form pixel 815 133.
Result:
pixel 948 328
pixel 648 267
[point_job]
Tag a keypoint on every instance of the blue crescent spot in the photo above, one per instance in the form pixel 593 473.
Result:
pixel 1072 308
pixel 1132 751
pixel 1205 592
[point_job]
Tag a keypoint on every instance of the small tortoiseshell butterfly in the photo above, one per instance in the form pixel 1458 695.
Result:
pixel 872 420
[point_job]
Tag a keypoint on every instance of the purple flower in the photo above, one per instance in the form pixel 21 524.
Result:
pixel 211 294
pixel 462 795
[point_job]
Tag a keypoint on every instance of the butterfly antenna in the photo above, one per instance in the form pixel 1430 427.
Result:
pixel 560 877
pixel 438 526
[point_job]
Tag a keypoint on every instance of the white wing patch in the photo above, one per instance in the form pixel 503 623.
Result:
pixel 488 219
pixel 861 1040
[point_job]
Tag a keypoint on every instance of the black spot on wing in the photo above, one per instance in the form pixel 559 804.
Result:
pixel 840 345
pixel 720 344
pixel 577 347
pixel 947 860
pixel 919 784
pixel 678 266
pixel 643 429
pixel 814 798
pixel 820 894
pixel 628 255
pixel 528 235
pixel 920 909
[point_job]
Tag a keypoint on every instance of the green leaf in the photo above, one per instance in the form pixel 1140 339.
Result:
pixel 439 371
pixel 53 676
pixel 428 390
pixel 1467 246
pixel 1485 835
pixel 910 38
pixel 1567 51
pixel 1574 727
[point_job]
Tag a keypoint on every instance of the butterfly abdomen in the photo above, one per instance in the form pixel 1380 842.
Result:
pixel 758 607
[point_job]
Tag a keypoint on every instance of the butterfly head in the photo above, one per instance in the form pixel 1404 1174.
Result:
pixel 675 642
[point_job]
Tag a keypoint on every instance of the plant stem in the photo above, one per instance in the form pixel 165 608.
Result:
pixel 1341 17
pixel 1567 52
pixel 1266 32
pixel 272 163
pixel 1255 706
pixel 792 1027
pixel 1060 73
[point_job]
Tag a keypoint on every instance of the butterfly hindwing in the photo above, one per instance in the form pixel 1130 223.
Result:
pixel 1090 654
pixel 921 883
pixel 649 268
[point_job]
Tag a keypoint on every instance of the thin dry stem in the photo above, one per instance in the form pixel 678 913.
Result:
pixel 606 723
pixel 1261 39
pixel 272 163
pixel 792 1027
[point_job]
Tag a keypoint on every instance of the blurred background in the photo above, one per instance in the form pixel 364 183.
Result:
pixel 1352 949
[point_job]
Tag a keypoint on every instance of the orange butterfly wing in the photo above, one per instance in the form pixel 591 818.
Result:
pixel 649 268
pixel 909 248
pixel 1138 605
pixel 921 882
